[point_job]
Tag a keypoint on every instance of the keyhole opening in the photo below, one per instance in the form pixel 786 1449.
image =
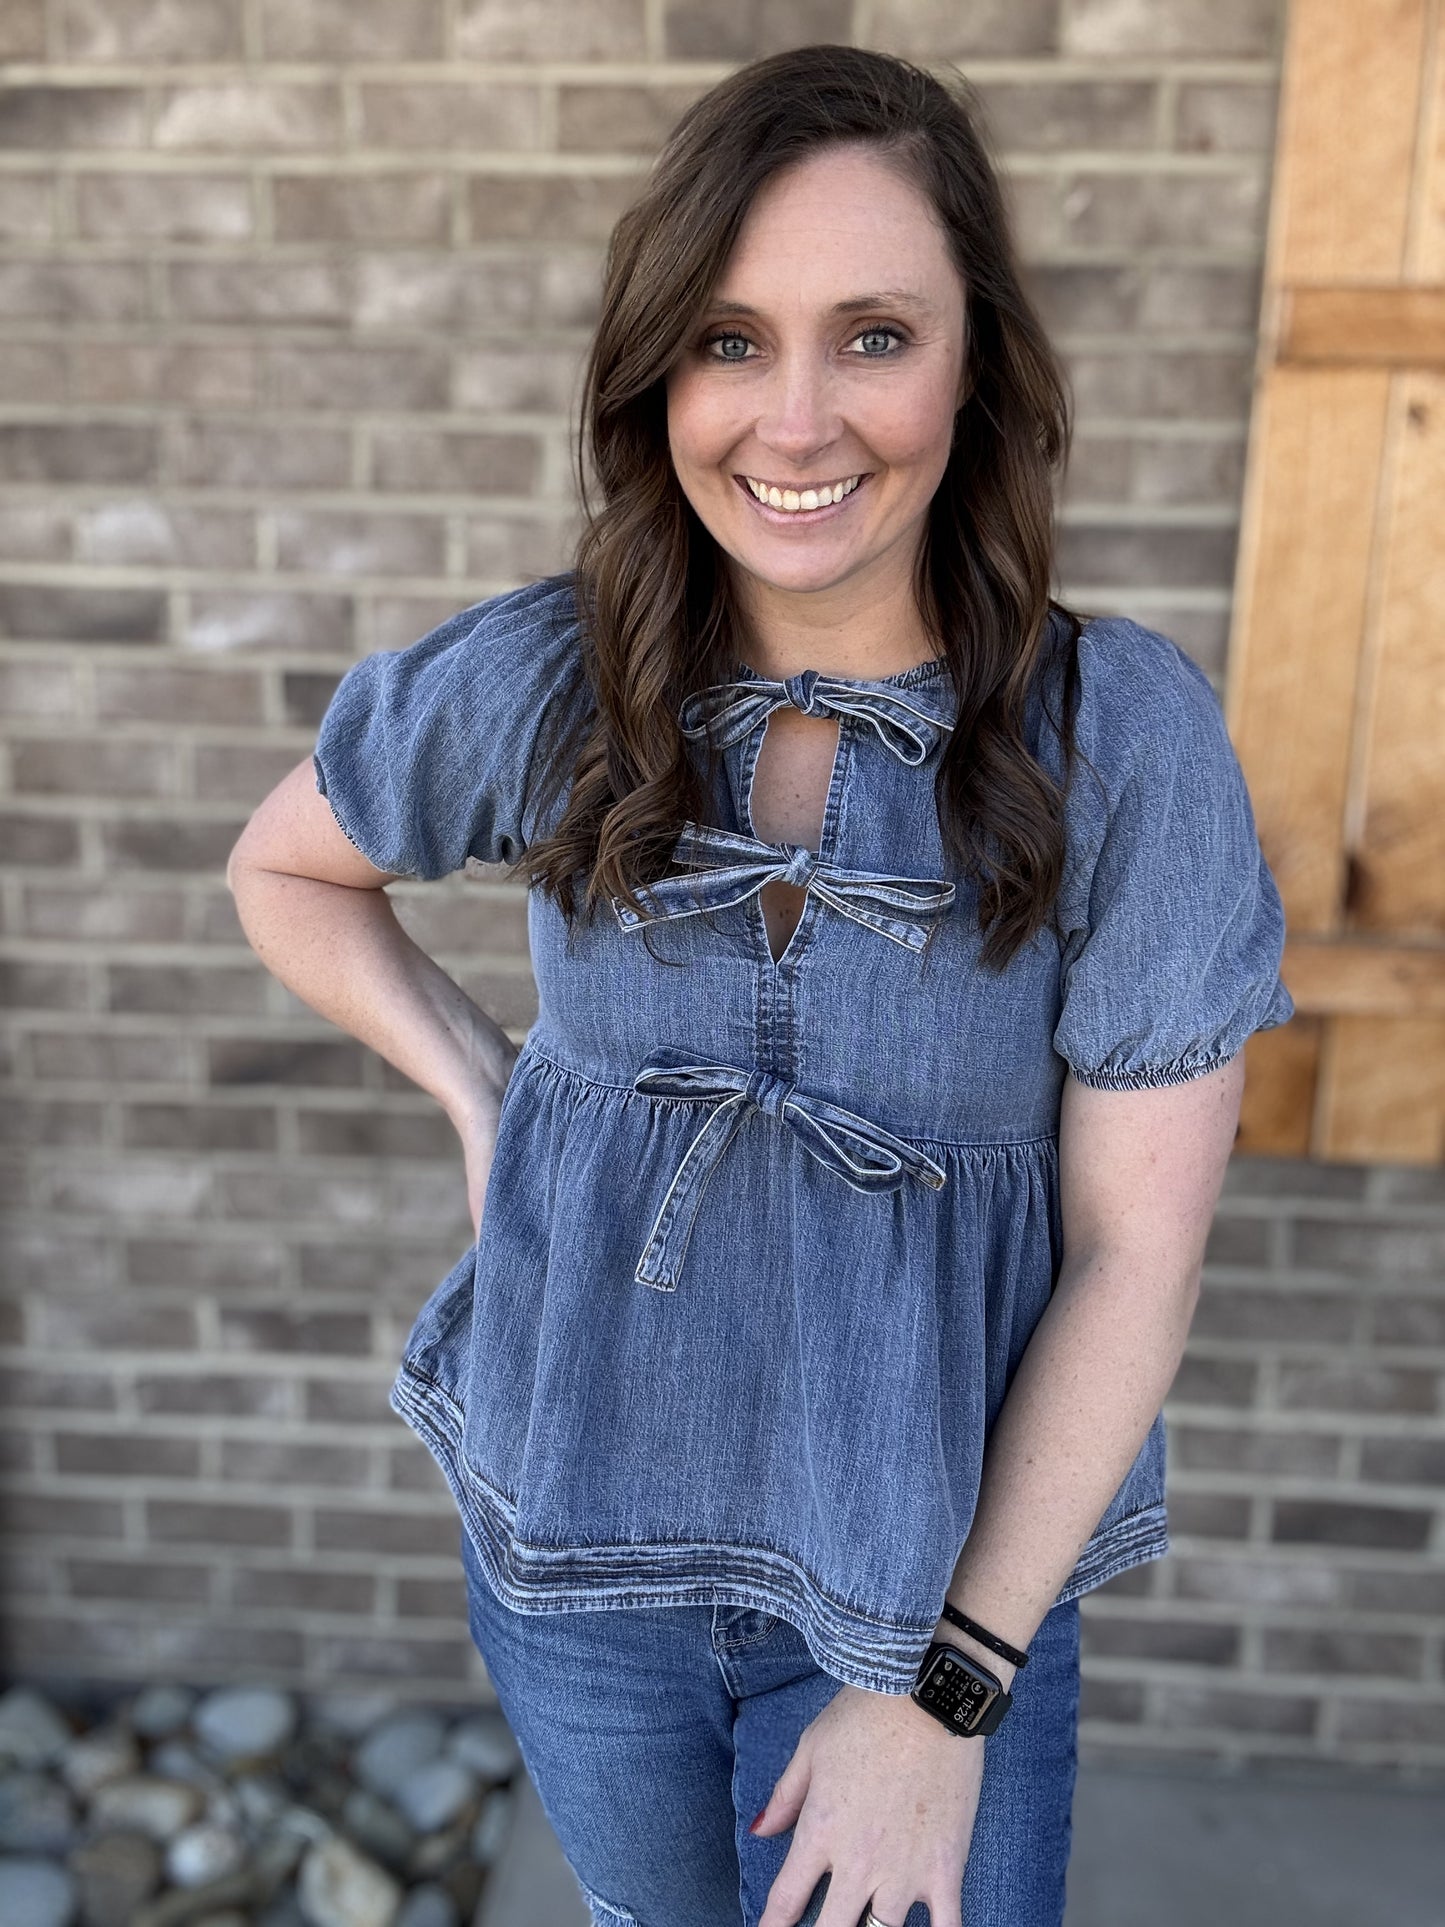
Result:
pixel 792 779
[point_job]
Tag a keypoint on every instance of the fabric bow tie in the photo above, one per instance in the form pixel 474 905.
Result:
pixel 858 1150
pixel 898 907
pixel 907 721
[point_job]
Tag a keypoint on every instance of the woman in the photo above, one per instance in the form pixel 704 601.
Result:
pixel 896 935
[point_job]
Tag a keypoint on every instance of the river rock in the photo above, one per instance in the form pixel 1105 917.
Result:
pixel 340 1887
pixel 98 1756
pixel 484 1743
pixel 32 1732
pixel 376 1827
pixel 435 1795
pixel 37 1815
pixel 392 1752
pixel 349 1714
pixel 245 1722
pixel 157 1712
pixel 428 1906
pixel 146 1803
pixel 494 1823
pixel 35 1893
pixel 203 1853
pixel 114 1873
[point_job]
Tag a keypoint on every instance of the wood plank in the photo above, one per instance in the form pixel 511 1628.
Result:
pixel 1301 588
pixel 1425 242
pixel 1382 1091
pixel 1402 326
pixel 1281 1071
pixel 1364 979
pixel 1395 817
pixel 1349 121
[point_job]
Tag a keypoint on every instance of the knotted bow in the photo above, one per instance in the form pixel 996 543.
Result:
pixel 861 1152
pixel 907 721
pixel 896 907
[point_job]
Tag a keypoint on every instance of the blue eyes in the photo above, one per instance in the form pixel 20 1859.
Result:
pixel 879 332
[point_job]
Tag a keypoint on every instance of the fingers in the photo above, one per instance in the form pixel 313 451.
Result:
pixel 793 1889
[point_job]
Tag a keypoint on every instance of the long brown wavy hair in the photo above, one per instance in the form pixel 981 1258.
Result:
pixel 656 613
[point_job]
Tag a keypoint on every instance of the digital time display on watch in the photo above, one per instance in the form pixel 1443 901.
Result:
pixel 958 1692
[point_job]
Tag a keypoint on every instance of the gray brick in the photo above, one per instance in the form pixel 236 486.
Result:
pixel 470 115
pixel 510 548
pixel 52 1515
pixel 120 1455
pixel 22 30
pixel 1257 1581
pixel 93 766
pixel 1369 1247
pixel 164 1582
pixel 1194 1642
pixel 367 207
pixel 1208 1515
pixel 222 620
pixel 193 1645
pixel 395 379
pixel 197 1127
pixel 247 1328
pixel 569 30
pixel 348 1401
pixel 566 207
pixel 168 843
pixel 1235 1241
pixel 52 1121
pixel 51 612
pixel 1213 1381
pixel 938 29
pixel 1176 470
pixel 34 1387
pixel 1040 115
pixel 214 1394
pixel 185 991
pixel 1398 1723
pixel 1335 1522
pixel 77 452
pixel 1340 1654
pixel 1355 1386
pixel 412 1534
pixel 1256 1710
pixel 333 542
pixel 373 1133
pixel 432 1599
pixel 234 773
pixel 1404 1461
pixel 355 30
pixel 31 372
pixel 296 1591
pixel 1118 1701
pixel 1384 1591
pixel 42 986
pixel 412 289
pixel 52 118
pixel 1228 1311
pixel 293 1063
pixel 33 532
pixel 27 208
pixel 255 1263
pixel 301 291
pixel 1181 385
pixel 204 374
pixel 291 1465
pixel 216 454
pixel 150 30
pixel 173 207
pixel 1292 1453
pixel 601 117
pixel 457 462
pixel 84 914
pixel 216 1522
pixel 136 530
pixel 1408 1321
pixel 40 289
pixel 1164 555
pixel 172 692
pixel 1189 27
pixel 1226 116
pixel 242 114
pixel 79 1326
pixel 518 377
pixel 105 1057
pixel 377 1657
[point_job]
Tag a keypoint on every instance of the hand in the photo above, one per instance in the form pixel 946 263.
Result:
pixel 477 1129
pixel 885 1798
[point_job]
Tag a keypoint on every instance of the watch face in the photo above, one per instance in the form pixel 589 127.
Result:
pixel 952 1687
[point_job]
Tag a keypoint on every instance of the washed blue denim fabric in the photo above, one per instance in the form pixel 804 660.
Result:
pixel 653 1737
pixel 764 1241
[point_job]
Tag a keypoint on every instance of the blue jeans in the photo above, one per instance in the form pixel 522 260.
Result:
pixel 654 1734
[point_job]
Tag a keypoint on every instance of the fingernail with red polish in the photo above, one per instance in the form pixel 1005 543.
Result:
pixel 754 1826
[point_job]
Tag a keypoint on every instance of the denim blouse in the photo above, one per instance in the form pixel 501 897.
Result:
pixel 764 1241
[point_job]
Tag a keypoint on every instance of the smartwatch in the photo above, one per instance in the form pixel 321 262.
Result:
pixel 960 1693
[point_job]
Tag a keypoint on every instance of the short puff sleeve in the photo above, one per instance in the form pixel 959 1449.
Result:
pixel 1174 929
pixel 426 754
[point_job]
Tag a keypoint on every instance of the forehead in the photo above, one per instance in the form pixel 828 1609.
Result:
pixel 843 216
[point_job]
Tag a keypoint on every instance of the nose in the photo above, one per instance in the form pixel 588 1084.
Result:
pixel 799 416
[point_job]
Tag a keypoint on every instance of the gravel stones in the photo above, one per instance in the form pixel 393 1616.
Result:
pixel 35 1893
pixel 340 1887
pixel 245 1722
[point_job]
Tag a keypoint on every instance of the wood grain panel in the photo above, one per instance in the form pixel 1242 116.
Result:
pixel 1299 617
pixel 1348 125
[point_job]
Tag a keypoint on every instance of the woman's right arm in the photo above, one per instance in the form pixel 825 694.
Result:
pixel 316 913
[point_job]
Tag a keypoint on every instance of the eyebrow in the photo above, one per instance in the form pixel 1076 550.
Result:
pixel 856 304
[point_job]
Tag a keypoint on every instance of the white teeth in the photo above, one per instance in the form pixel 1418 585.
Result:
pixel 791 499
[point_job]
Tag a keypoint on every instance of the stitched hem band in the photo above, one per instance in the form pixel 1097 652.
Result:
pixel 883 1657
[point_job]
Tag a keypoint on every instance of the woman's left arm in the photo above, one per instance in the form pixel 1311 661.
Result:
pixel 1140 1172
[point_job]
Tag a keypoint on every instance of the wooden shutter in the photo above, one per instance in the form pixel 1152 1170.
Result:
pixel 1335 681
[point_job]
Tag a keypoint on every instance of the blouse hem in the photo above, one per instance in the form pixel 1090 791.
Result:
pixel 881 1656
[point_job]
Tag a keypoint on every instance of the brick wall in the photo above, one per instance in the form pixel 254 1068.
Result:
pixel 293 298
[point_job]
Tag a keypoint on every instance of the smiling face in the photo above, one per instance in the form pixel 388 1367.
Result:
pixel 830 358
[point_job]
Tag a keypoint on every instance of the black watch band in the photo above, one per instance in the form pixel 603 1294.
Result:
pixel 984 1636
pixel 958 1692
